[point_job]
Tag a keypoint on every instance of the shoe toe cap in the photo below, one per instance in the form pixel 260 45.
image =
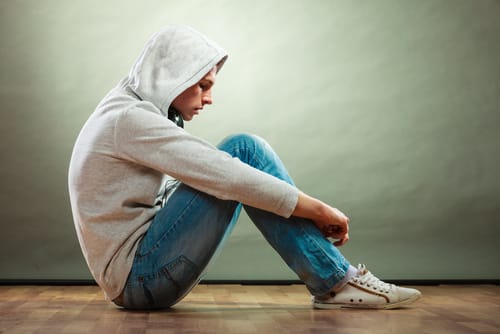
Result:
pixel 408 293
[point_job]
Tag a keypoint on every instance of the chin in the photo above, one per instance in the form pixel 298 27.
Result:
pixel 186 118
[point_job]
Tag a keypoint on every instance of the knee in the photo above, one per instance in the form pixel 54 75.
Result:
pixel 245 139
pixel 246 147
pixel 238 143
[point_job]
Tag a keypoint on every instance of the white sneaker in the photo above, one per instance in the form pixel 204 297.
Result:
pixel 366 291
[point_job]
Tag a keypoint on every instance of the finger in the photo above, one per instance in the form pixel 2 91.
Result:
pixel 342 241
pixel 335 231
pixel 340 233
pixel 331 230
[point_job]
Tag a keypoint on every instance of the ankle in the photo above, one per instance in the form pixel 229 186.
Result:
pixel 350 273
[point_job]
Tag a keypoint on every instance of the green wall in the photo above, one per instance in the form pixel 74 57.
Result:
pixel 388 110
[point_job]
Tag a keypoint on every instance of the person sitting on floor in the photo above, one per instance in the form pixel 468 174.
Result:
pixel 152 203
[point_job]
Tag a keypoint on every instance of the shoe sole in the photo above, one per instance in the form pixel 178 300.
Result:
pixel 331 306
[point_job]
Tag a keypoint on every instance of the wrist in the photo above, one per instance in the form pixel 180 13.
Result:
pixel 310 207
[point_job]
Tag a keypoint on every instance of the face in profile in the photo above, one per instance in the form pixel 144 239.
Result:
pixel 191 101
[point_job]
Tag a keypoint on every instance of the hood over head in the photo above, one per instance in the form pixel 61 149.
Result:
pixel 173 60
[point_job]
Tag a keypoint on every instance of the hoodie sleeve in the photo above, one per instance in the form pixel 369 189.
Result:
pixel 152 140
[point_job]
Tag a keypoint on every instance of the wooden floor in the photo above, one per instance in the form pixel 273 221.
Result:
pixel 245 309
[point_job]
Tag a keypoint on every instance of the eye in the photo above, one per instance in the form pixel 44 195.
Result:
pixel 203 86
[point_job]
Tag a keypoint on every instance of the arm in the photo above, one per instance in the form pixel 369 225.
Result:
pixel 148 139
pixel 331 221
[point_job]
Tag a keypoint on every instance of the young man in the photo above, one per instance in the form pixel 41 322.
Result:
pixel 148 244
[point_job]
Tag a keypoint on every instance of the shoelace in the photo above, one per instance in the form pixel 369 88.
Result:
pixel 366 278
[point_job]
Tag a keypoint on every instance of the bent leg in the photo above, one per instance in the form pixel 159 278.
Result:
pixel 317 262
pixel 192 227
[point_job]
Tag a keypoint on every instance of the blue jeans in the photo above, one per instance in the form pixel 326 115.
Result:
pixel 188 231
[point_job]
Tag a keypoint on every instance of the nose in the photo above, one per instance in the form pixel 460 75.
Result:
pixel 207 97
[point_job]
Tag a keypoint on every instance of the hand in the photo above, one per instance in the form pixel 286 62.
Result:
pixel 330 221
pixel 334 224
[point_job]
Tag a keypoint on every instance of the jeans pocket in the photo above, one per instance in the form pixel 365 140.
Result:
pixel 163 288
pixel 181 271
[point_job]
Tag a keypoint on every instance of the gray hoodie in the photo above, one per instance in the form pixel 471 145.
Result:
pixel 128 147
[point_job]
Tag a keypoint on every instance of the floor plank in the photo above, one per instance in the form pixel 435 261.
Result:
pixel 245 309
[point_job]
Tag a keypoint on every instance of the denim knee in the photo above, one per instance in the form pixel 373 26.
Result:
pixel 256 152
pixel 244 146
pixel 241 139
